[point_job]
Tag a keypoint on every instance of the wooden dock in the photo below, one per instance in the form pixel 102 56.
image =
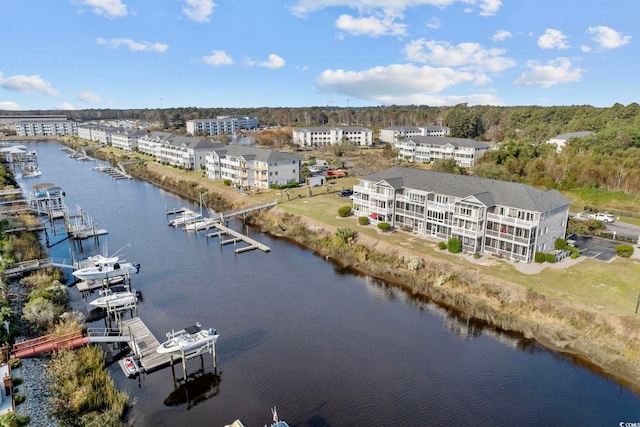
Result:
pixel 236 237
pixel 145 345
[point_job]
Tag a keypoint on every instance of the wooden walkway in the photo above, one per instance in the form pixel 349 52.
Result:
pixel 46 343
pixel 236 237
pixel 145 345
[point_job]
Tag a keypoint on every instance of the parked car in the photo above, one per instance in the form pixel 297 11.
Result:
pixel 345 193
pixel 354 196
pixel 604 217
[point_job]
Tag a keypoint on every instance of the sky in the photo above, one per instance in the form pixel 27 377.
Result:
pixel 123 54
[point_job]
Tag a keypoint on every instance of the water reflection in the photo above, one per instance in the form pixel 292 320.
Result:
pixel 196 388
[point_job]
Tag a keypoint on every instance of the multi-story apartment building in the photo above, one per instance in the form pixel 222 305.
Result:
pixel 324 136
pixel 426 149
pixel 253 168
pixel 46 128
pixel 488 216
pixel 182 151
pixel 101 134
pixel 393 134
pixel 127 140
pixel 222 125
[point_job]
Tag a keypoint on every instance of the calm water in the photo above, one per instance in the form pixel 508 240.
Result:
pixel 328 348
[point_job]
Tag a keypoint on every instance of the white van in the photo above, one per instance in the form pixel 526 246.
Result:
pixel 604 217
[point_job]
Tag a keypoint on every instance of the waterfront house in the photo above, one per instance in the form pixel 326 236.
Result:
pixel 488 216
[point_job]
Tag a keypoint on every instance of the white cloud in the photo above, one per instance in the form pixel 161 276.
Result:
pixel 27 84
pixel 303 8
pixel 371 26
pixel 198 10
pixel 274 62
pixel 9 105
pixel 64 106
pixel 217 57
pixel 133 45
pixel 608 38
pixel 391 81
pixel 585 48
pixel 553 39
pixel 108 8
pixel 556 71
pixel 501 35
pixel 434 23
pixel 469 56
pixel 90 97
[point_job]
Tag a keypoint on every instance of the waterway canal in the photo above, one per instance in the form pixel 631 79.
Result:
pixel 328 348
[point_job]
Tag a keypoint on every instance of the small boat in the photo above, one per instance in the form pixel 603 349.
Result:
pixel 130 366
pixel 105 268
pixel 31 173
pixel 184 218
pixel 116 299
pixel 188 339
pixel 276 421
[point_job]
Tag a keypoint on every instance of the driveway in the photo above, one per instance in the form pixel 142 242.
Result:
pixel 596 248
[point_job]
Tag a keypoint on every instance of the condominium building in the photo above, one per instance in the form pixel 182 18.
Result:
pixel 127 140
pixel 101 134
pixel 426 149
pixel 46 128
pixel 325 136
pixel 222 125
pixel 393 134
pixel 182 151
pixel 253 168
pixel 488 216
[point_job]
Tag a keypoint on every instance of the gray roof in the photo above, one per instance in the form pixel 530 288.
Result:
pixel 187 141
pixel 328 128
pixel 266 155
pixel 488 191
pixel 456 142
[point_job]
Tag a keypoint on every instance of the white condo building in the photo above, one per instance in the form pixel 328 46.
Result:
pixel 222 125
pixel 127 140
pixel 46 128
pixel 393 134
pixel 182 151
pixel 426 149
pixel 253 168
pixel 488 216
pixel 325 136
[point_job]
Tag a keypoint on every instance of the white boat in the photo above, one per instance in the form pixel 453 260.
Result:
pixel 106 268
pixel 130 366
pixel 188 339
pixel 187 216
pixel 276 421
pixel 116 300
pixel 31 173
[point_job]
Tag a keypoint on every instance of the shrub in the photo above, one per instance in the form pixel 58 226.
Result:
pixel 415 263
pixel 539 257
pixel 344 211
pixel 442 246
pixel 363 220
pixel 227 182
pixel 454 245
pixel 560 244
pixel 344 236
pixel 574 255
pixel 624 251
pixel 19 398
pixel 550 258
pixel 384 226
pixel 477 255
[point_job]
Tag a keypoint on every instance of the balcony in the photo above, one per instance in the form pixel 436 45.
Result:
pixel 502 219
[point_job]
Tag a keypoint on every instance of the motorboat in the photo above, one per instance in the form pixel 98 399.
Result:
pixel 116 299
pixel 188 339
pixel 106 268
pixel 276 421
pixel 130 366
pixel 31 173
pixel 186 217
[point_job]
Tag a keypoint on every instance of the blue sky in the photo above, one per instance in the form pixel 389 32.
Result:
pixel 121 54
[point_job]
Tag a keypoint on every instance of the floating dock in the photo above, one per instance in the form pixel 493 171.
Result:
pixel 236 237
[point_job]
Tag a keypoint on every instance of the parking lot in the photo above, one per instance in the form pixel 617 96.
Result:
pixel 596 247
